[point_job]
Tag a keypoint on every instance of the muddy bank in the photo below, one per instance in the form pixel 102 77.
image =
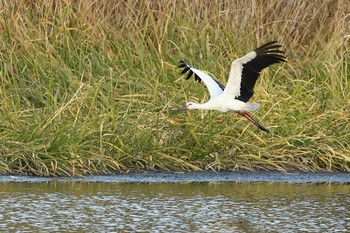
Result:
pixel 206 176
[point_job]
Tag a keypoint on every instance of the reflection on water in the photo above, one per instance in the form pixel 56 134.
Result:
pixel 174 207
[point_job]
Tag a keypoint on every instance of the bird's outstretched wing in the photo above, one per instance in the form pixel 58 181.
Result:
pixel 246 70
pixel 215 88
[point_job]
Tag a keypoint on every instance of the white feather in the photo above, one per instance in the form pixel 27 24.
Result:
pixel 233 87
pixel 213 88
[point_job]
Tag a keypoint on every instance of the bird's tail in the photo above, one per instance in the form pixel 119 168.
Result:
pixel 249 107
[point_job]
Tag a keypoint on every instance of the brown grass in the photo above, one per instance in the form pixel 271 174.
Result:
pixel 86 86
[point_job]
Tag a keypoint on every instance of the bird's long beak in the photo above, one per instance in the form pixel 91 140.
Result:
pixel 251 119
pixel 183 108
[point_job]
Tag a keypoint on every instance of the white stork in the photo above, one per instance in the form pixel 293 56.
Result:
pixel 239 89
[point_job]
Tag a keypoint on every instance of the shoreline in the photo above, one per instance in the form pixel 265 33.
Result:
pixel 196 177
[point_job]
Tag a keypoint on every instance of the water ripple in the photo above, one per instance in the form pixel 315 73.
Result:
pixel 110 207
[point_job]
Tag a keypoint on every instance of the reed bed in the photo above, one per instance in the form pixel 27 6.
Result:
pixel 86 87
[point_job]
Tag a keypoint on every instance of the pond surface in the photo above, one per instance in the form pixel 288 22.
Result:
pixel 173 207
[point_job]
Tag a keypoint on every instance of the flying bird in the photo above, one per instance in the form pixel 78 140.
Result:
pixel 239 89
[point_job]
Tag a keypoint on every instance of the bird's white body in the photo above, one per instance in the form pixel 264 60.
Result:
pixel 221 104
pixel 239 89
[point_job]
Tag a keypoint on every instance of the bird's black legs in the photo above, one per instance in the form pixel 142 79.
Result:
pixel 251 119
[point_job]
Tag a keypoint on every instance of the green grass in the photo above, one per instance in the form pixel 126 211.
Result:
pixel 87 87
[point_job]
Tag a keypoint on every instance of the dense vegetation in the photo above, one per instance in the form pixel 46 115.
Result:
pixel 87 87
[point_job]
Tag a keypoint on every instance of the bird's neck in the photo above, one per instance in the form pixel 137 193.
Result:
pixel 211 105
pixel 204 106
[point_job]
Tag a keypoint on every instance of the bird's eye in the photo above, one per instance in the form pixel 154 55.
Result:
pixel 189 104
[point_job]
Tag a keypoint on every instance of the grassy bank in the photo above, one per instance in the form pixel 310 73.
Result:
pixel 87 87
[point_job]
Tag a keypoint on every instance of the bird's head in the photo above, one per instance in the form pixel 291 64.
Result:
pixel 187 106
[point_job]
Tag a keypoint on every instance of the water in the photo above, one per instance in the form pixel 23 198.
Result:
pixel 173 207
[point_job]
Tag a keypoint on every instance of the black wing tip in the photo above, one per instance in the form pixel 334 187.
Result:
pixel 273 57
pixel 197 78
pixel 272 50
pixel 189 74
pixel 269 46
pixel 182 64
pixel 186 68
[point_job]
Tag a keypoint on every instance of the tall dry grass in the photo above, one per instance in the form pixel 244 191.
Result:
pixel 86 86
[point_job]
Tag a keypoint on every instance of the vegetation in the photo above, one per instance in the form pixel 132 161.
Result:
pixel 87 86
